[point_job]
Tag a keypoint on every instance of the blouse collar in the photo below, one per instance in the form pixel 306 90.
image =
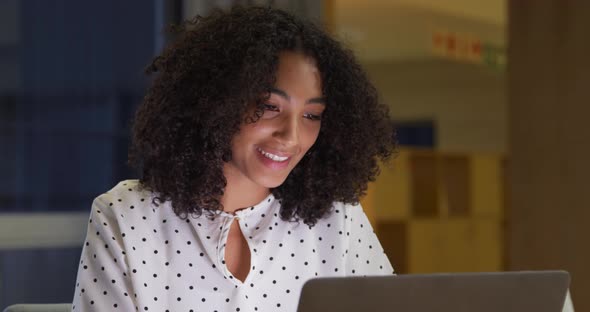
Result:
pixel 261 207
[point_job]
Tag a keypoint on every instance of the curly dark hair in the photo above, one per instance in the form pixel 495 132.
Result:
pixel 205 81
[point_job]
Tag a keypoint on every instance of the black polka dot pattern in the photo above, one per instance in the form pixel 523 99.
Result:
pixel 139 257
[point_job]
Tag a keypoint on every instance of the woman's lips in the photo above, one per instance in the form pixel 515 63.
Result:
pixel 274 160
pixel 276 156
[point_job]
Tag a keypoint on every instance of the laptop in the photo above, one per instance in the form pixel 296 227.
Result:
pixel 539 291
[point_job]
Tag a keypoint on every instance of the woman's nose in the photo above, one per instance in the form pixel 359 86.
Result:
pixel 288 131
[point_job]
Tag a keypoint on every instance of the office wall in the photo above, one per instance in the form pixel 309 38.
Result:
pixel 393 39
pixel 467 102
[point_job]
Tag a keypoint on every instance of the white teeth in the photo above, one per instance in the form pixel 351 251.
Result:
pixel 272 156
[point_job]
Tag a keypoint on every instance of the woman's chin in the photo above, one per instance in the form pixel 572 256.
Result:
pixel 271 182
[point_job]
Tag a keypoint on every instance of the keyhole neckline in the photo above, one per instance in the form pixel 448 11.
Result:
pixel 243 213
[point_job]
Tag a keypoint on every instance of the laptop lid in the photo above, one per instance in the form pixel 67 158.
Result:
pixel 539 291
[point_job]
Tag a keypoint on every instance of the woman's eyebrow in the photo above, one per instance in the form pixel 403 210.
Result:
pixel 318 100
pixel 283 94
pixel 280 93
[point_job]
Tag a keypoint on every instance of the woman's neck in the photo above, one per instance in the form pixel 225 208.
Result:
pixel 241 192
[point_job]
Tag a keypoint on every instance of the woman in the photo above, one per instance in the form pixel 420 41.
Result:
pixel 255 142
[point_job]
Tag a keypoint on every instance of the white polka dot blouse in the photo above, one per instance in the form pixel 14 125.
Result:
pixel 139 257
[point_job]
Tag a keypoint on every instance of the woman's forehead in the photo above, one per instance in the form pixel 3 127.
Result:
pixel 298 74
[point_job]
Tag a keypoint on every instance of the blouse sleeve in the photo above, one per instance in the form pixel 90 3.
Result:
pixel 103 283
pixel 364 254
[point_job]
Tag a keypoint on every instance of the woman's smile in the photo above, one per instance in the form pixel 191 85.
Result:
pixel 274 156
pixel 273 161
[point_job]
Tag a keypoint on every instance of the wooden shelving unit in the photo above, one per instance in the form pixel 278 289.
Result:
pixel 440 212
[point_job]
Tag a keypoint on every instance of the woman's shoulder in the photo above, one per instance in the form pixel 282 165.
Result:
pixel 128 195
pixel 347 209
pixel 343 213
pixel 126 190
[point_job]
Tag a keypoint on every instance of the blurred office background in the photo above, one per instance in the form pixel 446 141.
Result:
pixel 489 98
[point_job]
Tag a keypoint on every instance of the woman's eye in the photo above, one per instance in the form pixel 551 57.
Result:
pixel 313 117
pixel 271 107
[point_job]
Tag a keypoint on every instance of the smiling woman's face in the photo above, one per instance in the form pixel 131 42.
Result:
pixel 265 152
